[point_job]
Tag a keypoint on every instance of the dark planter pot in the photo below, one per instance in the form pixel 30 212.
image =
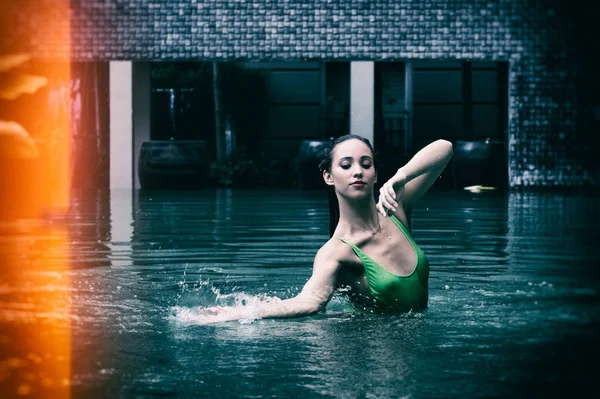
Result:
pixel 310 154
pixel 480 163
pixel 174 165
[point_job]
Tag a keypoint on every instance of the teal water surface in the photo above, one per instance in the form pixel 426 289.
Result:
pixel 514 304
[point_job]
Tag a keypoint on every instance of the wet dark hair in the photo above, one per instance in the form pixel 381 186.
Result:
pixel 325 165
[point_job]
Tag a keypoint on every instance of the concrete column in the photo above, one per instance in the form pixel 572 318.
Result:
pixel 129 120
pixel 362 99
pixel 121 121
pixel 141 113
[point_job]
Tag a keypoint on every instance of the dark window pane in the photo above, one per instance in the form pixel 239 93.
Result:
pixel 294 86
pixel 438 121
pixel 483 65
pixel 434 86
pixel 294 121
pixel 485 86
pixel 485 121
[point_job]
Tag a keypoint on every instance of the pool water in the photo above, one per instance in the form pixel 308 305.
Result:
pixel 103 304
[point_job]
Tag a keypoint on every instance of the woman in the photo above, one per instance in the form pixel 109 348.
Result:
pixel 371 252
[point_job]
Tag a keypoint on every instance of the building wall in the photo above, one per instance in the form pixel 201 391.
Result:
pixel 550 110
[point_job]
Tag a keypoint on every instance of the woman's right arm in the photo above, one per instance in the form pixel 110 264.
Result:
pixel 312 299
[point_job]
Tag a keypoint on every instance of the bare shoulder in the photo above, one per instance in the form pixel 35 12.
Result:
pixel 334 252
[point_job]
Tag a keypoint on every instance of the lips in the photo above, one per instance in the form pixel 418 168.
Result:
pixel 358 183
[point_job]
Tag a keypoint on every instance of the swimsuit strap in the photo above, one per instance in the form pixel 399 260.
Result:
pixel 405 231
pixel 422 266
pixel 402 228
pixel 362 256
pixel 371 266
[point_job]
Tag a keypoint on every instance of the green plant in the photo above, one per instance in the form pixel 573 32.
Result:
pixel 233 172
pixel 251 170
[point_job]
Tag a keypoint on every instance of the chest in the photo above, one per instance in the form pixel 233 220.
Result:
pixel 391 249
pixel 353 282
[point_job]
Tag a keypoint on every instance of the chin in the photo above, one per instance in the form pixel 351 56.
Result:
pixel 354 194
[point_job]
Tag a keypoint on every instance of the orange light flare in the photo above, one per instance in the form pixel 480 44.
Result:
pixel 35 160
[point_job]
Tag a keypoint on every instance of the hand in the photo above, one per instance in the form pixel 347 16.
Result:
pixel 219 314
pixel 390 193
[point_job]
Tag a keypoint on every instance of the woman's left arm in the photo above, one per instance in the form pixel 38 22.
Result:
pixel 413 180
pixel 312 299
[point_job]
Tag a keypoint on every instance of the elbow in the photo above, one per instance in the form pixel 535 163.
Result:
pixel 447 144
pixel 448 147
pixel 313 308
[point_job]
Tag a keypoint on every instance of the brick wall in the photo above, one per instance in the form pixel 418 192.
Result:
pixel 550 102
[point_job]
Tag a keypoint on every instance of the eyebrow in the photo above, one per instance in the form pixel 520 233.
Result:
pixel 350 158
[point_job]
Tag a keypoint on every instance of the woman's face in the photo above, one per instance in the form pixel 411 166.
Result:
pixel 352 172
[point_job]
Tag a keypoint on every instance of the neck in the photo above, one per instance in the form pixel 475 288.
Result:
pixel 361 214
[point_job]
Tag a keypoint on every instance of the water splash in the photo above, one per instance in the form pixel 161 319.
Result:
pixel 238 306
pixel 206 304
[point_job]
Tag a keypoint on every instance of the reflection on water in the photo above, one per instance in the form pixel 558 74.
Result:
pixel 35 309
pixel 514 297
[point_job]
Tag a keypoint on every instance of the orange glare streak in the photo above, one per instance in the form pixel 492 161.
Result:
pixel 35 283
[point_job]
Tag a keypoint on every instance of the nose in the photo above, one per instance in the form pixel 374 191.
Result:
pixel 357 170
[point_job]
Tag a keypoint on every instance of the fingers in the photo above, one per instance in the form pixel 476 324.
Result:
pixel 388 187
pixel 381 209
pixel 212 319
pixel 391 197
pixel 213 310
pixel 217 314
pixel 387 204
pixel 386 198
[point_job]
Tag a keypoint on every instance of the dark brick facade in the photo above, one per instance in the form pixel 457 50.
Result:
pixel 551 129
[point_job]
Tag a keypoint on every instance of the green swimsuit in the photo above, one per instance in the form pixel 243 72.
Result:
pixel 393 292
